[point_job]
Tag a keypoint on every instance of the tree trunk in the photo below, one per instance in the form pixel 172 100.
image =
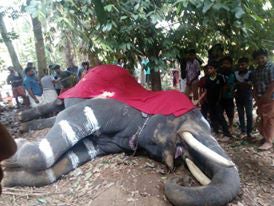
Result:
pixel 39 46
pixel 155 80
pixel 93 59
pixel 8 43
pixel 68 52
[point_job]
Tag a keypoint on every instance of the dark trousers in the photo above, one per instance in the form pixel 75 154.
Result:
pixel 227 106
pixel 204 109
pixel 245 107
pixel 217 118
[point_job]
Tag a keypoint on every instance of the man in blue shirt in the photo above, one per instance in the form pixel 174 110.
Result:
pixel 33 87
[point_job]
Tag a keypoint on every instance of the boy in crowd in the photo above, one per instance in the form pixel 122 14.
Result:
pixel 263 83
pixel 227 104
pixel 213 92
pixel 192 74
pixel 202 99
pixel 243 96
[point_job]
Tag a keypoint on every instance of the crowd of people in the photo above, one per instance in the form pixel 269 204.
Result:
pixel 36 92
pixel 226 86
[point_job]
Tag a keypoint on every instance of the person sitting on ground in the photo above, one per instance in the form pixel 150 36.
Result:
pixel 16 82
pixel 49 92
pixel 243 97
pixel 227 103
pixel 33 88
pixel 213 92
pixel 192 74
pixel 263 83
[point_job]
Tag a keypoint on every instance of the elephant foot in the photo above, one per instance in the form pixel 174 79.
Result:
pixel 7 179
pixel 12 162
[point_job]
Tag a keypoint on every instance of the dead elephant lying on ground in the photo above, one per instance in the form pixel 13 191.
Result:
pixel 97 127
pixel 165 125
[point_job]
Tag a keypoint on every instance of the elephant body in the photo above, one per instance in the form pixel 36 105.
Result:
pixel 89 128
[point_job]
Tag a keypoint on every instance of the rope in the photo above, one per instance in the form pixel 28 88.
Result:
pixel 137 135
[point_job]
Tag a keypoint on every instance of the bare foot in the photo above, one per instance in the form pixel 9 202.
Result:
pixel 266 146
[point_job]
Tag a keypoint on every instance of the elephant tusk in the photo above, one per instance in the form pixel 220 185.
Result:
pixel 210 154
pixel 197 173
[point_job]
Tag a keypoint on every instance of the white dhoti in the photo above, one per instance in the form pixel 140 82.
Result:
pixel 33 103
pixel 49 96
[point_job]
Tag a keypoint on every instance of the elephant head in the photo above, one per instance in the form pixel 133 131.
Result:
pixel 189 137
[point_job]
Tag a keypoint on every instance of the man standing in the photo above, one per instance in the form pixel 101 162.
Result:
pixel 49 92
pixel 16 83
pixel 145 67
pixel 243 96
pixel 263 83
pixel 33 87
pixel 214 84
pixel 227 103
pixel 192 74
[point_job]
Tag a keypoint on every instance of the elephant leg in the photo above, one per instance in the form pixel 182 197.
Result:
pixel 37 124
pixel 33 113
pixel 71 126
pixel 82 152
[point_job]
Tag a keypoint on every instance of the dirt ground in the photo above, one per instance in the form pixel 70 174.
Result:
pixel 138 181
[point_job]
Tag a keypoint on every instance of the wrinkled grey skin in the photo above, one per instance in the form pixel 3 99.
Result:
pixel 96 127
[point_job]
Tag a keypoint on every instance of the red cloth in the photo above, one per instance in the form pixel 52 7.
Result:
pixel 112 78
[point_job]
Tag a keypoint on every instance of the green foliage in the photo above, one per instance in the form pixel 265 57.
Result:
pixel 10 36
pixel 162 29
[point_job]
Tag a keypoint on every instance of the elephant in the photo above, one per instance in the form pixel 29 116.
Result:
pixel 93 127
pixel 97 127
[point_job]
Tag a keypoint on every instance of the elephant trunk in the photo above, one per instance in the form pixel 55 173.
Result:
pixel 224 178
pixel 223 188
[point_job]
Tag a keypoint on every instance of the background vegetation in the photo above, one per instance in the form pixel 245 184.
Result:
pixel 69 31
